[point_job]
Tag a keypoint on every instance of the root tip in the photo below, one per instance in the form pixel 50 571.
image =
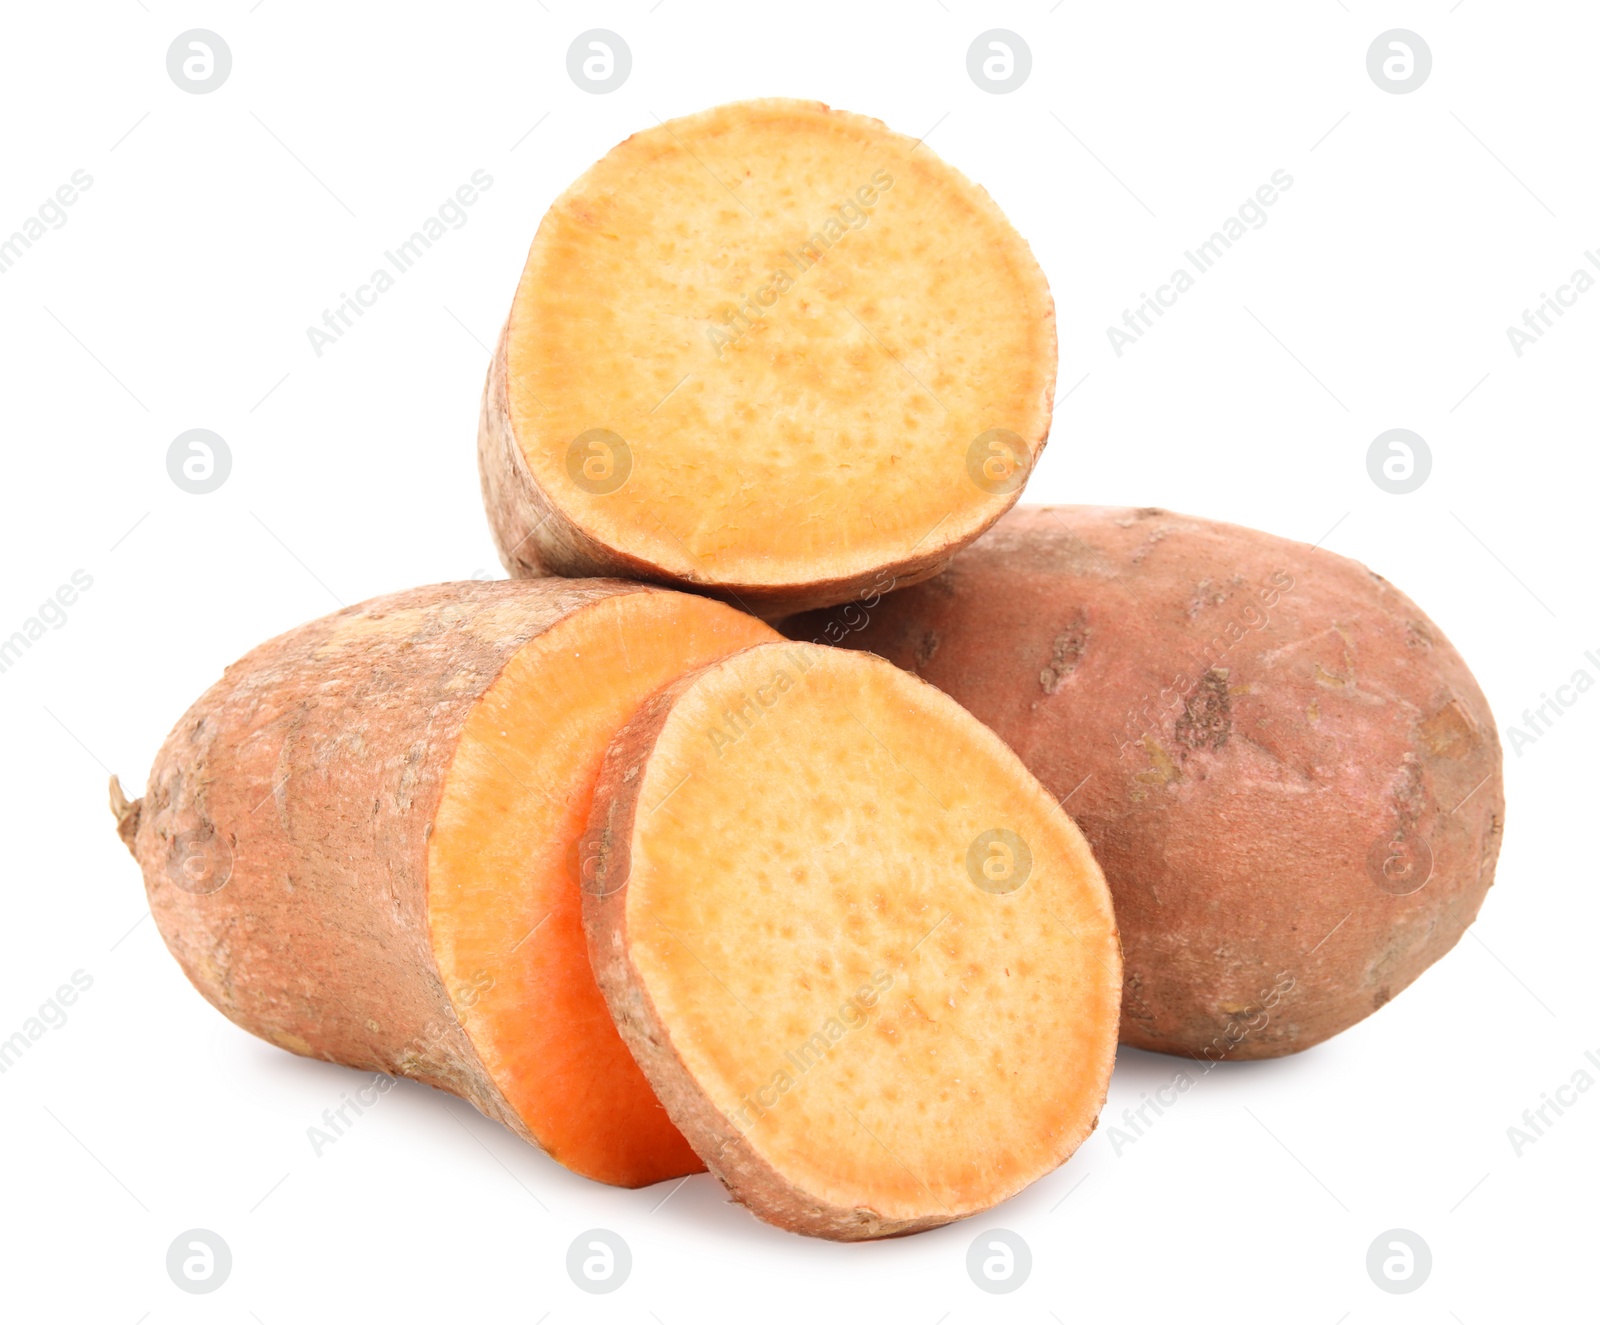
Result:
pixel 126 812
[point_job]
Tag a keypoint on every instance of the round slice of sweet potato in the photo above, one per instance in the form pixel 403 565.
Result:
pixel 772 351
pixel 868 965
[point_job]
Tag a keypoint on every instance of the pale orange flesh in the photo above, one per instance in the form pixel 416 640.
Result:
pixel 870 1000
pixel 503 895
pixel 800 324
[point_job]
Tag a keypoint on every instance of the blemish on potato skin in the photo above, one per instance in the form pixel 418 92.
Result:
pixel 1066 652
pixel 1156 537
pixel 1207 718
pixel 1163 769
pixel 1205 595
pixel 1449 732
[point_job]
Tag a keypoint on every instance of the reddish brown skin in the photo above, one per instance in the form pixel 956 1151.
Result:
pixel 303 785
pixel 1287 773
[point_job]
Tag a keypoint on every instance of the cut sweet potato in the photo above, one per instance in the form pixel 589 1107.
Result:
pixel 1287 771
pixel 868 965
pixel 773 351
pixel 361 844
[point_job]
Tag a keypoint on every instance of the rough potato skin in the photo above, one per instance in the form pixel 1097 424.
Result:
pixel 727 1152
pixel 1288 775
pixel 533 536
pixel 283 834
pixel 536 538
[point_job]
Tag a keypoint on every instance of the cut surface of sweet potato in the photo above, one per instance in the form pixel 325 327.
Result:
pixel 503 892
pixel 772 350
pixel 868 964
pixel 361 845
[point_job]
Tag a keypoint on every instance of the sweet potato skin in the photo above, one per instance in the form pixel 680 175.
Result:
pixel 284 832
pixel 1288 774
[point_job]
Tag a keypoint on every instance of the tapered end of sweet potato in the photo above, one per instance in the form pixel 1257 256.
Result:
pixel 868 965
pixel 361 845
pixel 125 811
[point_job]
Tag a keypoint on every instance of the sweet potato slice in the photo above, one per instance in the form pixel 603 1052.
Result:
pixel 867 963
pixel 773 351
pixel 361 844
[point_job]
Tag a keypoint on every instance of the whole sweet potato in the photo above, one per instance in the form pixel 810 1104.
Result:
pixel 1288 775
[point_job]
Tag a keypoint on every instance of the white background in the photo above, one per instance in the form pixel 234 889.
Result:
pixel 218 228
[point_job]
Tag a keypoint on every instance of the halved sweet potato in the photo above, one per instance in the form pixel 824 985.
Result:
pixel 773 351
pixel 868 965
pixel 361 844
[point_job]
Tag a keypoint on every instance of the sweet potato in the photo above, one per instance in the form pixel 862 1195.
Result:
pixel 361 845
pixel 868 965
pixel 1287 773
pixel 772 351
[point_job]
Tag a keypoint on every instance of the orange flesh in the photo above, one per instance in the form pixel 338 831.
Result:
pixel 801 911
pixel 828 433
pixel 503 895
